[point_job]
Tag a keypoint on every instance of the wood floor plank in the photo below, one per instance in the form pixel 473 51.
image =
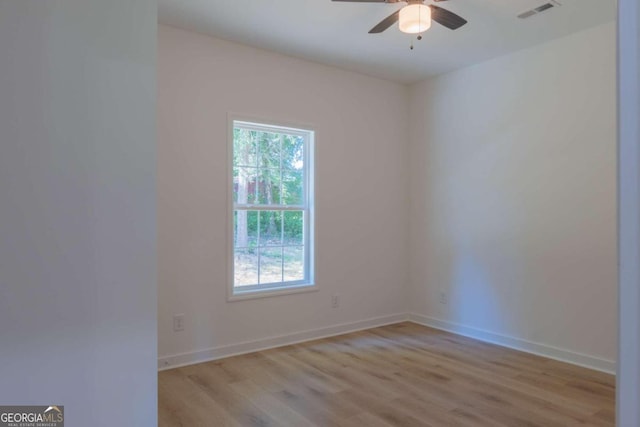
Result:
pixel 367 419
pixel 267 402
pixel 322 409
pixel 187 406
pixel 237 407
pixel 397 375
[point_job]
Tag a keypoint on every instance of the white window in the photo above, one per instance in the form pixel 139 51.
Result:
pixel 272 209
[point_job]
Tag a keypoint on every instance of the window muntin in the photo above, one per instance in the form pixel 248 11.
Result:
pixel 272 216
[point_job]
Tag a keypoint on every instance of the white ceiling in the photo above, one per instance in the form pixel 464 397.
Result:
pixel 335 33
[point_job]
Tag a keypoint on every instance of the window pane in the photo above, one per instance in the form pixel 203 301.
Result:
pixel 270 228
pixel 244 148
pixel 244 185
pixel 245 267
pixel 245 229
pixel 270 265
pixel 269 149
pixel 269 186
pixel 292 152
pixel 293 263
pixel 292 187
pixel 293 228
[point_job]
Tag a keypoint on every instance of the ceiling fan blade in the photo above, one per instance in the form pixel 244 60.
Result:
pixel 446 18
pixel 369 1
pixel 385 23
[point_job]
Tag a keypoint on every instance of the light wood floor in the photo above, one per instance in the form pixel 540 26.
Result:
pixel 397 375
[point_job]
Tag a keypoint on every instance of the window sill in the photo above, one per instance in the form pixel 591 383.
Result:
pixel 266 293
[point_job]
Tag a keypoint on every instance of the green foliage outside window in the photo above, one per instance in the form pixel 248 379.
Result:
pixel 268 169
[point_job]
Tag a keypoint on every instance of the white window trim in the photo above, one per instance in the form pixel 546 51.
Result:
pixel 309 283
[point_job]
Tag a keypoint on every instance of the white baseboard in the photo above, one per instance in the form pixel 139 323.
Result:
pixel 199 356
pixel 563 355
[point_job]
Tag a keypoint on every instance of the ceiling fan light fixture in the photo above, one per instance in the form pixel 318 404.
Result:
pixel 415 18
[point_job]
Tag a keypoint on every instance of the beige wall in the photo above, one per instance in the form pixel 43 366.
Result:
pixel 361 188
pixel 628 386
pixel 78 208
pixel 513 213
pixel 494 184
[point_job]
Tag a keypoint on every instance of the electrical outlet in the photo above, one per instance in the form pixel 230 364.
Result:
pixel 335 301
pixel 443 297
pixel 178 322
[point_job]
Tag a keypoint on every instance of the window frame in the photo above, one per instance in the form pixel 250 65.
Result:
pixel 309 134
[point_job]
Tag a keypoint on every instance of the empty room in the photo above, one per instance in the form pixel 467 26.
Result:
pixel 390 228
pixel 320 213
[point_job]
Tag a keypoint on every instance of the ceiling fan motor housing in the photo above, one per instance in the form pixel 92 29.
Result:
pixel 415 18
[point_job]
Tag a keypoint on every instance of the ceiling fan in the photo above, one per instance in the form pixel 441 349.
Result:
pixel 415 17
